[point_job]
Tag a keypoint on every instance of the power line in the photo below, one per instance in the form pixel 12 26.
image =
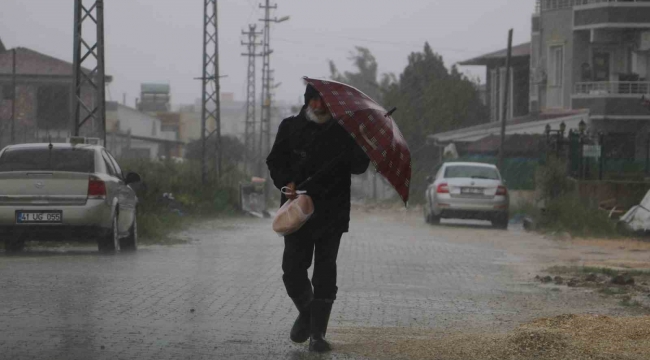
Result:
pixel 388 42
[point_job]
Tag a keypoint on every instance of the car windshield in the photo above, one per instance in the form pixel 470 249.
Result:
pixel 69 160
pixel 474 172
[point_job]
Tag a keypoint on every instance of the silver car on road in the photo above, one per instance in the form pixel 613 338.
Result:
pixel 467 190
pixel 64 191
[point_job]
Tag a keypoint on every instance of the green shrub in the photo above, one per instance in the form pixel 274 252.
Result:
pixel 569 213
pixel 552 179
pixel 195 199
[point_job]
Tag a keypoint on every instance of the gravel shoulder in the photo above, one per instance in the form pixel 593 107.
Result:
pixel 545 321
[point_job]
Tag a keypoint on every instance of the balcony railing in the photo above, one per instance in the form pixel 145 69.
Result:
pixel 545 5
pixel 612 88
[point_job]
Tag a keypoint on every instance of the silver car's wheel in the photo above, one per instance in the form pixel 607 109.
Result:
pixel 111 241
pixel 130 242
pixel 426 214
pixel 433 219
pixel 500 222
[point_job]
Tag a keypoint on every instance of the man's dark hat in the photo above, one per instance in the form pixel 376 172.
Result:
pixel 310 93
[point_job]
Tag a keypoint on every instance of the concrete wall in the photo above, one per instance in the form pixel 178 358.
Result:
pixel 363 187
pixel 535 58
pixel 557 29
pixel 612 15
pixel 626 194
pixel 233 118
pixel 124 120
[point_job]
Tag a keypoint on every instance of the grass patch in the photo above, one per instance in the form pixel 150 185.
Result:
pixel 628 302
pixel 595 270
pixel 573 215
pixel 565 211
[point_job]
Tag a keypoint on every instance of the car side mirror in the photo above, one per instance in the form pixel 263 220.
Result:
pixel 430 179
pixel 132 178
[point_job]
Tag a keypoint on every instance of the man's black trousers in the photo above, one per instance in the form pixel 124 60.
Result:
pixel 299 248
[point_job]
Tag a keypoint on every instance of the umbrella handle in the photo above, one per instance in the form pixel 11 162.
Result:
pixel 365 137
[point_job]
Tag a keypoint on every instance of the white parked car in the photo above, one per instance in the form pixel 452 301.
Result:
pixel 63 191
pixel 467 190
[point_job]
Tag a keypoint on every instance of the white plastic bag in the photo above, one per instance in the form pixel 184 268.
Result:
pixel 293 214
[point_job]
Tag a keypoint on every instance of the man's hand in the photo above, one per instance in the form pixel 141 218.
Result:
pixel 292 191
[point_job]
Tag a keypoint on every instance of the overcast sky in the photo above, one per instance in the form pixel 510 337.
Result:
pixel 161 40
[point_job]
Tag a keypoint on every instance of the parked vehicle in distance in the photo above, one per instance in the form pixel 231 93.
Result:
pixel 467 190
pixel 63 192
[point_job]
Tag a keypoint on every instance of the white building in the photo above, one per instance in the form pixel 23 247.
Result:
pixel 133 134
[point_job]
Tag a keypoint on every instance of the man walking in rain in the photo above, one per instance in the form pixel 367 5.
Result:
pixel 306 145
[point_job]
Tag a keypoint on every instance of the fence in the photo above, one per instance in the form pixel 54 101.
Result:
pixel 612 87
pixel 603 156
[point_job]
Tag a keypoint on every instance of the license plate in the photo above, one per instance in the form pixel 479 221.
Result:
pixel 39 217
pixel 471 191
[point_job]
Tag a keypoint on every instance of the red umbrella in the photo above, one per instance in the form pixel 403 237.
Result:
pixel 373 128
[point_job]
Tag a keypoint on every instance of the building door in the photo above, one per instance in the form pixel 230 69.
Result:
pixel 601 66
pixel 555 87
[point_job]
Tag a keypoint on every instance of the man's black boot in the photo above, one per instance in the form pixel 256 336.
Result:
pixel 300 328
pixel 320 316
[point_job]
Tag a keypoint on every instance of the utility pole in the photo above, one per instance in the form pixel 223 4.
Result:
pixel 249 137
pixel 265 123
pixel 96 78
pixel 505 103
pixel 13 98
pixel 210 88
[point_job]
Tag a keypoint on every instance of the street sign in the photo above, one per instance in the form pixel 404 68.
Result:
pixel 592 151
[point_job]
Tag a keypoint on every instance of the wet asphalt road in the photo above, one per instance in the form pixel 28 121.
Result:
pixel 221 296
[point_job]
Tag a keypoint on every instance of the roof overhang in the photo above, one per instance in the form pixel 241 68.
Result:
pixel 479 132
pixel 519 52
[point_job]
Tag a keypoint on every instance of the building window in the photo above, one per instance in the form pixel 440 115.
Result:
pixel 601 64
pixel 556 73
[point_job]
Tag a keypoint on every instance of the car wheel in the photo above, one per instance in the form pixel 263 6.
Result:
pixel 427 216
pixel 14 243
pixel 130 242
pixel 110 242
pixel 434 220
pixel 500 222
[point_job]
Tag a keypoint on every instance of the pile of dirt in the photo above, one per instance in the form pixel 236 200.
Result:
pixel 574 337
